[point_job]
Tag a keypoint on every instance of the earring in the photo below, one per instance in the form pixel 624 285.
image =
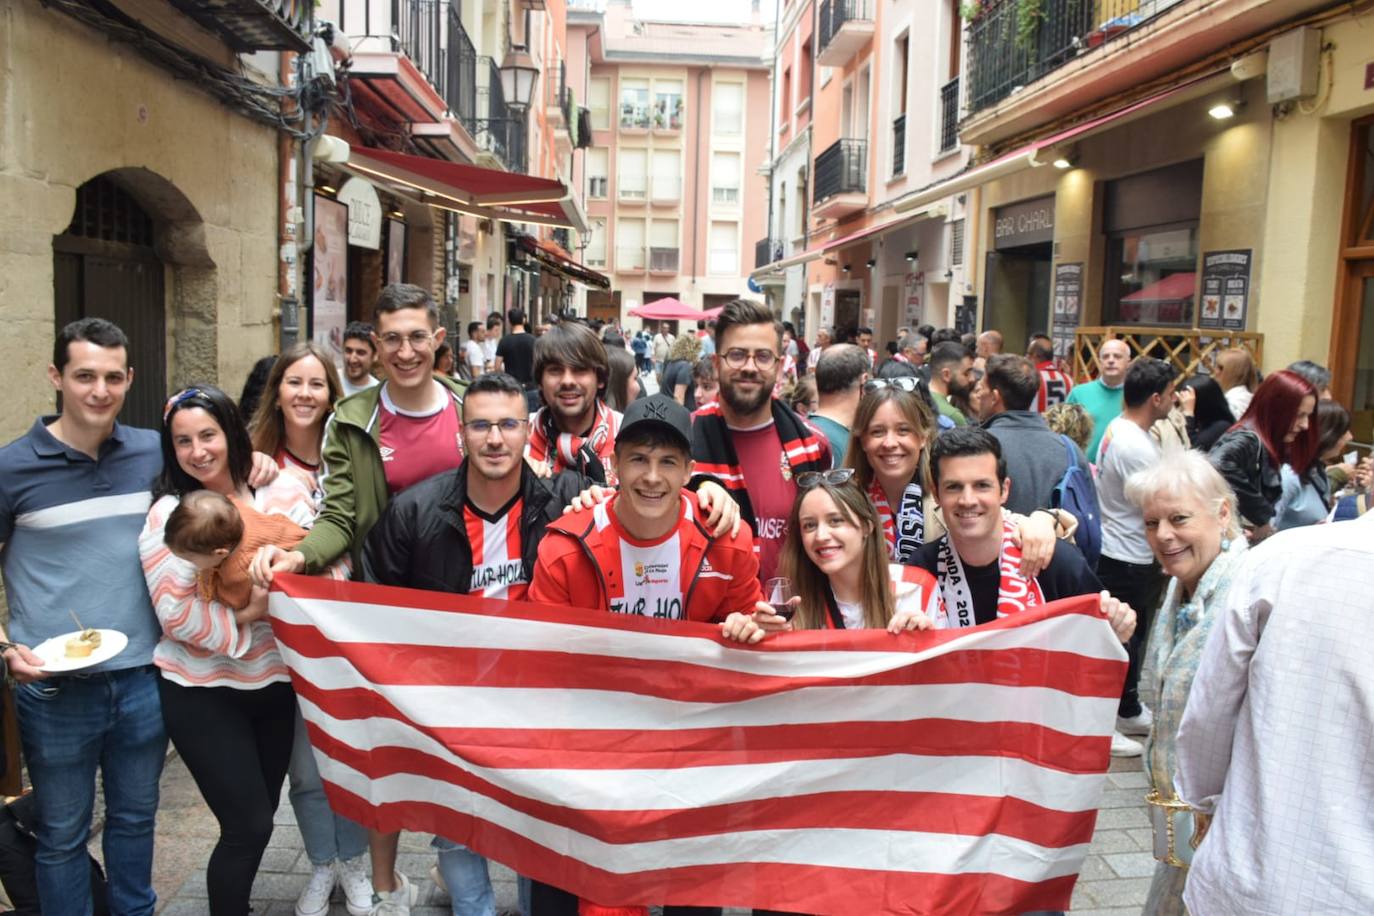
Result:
pixel 1225 544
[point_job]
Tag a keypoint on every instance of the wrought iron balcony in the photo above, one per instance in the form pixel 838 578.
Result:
pixel 255 25
pixel 845 26
pixel 899 144
pixel 504 138
pixel 1004 54
pixel 460 85
pixel 766 251
pixel 417 28
pixel 841 173
pixel 949 115
pixel 563 239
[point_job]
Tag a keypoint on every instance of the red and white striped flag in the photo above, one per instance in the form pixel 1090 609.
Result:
pixel 637 761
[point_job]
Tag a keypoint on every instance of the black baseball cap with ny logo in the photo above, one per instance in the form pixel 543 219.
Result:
pixel 661 410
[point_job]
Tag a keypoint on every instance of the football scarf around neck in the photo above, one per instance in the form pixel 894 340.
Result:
pixel 1015 592
pixel 905 529
pixel 581 453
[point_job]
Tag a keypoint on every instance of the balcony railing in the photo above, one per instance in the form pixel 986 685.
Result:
pixel 460 86
pixel 766 251
pixel 255 25
pixel 504 138
pixel 563 239
pixel 596 186
pixel 835 13
pixel 663 260
pixel 1004 54
pixel 418 33
pixel 726 197
pixel 899 145
pixel 949 115
pixel 841 169
pixel 629 258
pixel 632 187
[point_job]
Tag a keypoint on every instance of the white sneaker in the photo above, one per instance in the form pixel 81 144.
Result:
pixel 314 900
pixel 1126 747
pixel 395 902
pixel 438 878
pixel 356 881
pixel 1136 725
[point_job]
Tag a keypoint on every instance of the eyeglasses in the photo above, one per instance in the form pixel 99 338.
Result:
pixel 184 394
pixel 906 383
pixel 419 340
pixel 738 358
pixel 484 427
pixel 833 478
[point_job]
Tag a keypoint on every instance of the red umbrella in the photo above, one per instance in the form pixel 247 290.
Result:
pixel 669 310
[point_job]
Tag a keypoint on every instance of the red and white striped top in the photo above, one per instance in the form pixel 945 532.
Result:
pixel 495 543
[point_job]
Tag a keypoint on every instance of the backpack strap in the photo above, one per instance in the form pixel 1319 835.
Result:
pixel 1071 449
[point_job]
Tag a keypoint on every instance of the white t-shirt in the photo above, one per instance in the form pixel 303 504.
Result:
pixel 474 357
pixel 853 614
pixel 489 350
pixel 350 388
pixel 1125 449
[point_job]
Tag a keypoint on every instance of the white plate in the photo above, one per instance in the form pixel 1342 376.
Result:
pixel 54 651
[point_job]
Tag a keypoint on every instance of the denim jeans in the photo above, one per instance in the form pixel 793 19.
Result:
pixel 327 836
pixel 469 882
pixel 69 726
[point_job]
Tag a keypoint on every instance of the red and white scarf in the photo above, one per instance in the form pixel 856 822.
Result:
pixel 905 529
pixel 1015 592
pixel 559 450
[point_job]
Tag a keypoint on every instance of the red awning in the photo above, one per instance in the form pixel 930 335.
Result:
pixel 470 189
pixel 553 256
pixel 1173 288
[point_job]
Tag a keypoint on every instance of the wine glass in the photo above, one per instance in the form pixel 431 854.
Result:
pixel 779 595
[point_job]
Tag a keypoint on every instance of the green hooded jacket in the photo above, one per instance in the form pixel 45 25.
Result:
pixel 352 478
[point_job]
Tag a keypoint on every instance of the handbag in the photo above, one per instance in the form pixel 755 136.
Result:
pixel 1175 829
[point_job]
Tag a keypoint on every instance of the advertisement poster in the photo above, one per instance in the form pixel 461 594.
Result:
pixel 329 296
pixel 1068 298
pixel 828 306
pixel 1225 289
pixel 913 288
pixel 395 251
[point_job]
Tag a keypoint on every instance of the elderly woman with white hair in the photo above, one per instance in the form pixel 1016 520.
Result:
pixel 1193 528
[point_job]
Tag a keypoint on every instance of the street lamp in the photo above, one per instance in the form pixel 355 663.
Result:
pixel 518 74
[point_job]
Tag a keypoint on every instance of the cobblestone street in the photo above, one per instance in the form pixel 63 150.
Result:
pixel 1114 880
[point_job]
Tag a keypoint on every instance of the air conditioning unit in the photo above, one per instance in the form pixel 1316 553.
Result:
pixel 1294 65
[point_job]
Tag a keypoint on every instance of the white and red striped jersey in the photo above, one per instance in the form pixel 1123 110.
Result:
pixel 495 542
pixel 1055 386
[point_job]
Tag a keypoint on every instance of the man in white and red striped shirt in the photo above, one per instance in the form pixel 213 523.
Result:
pixel 1055 383
pixel 472 530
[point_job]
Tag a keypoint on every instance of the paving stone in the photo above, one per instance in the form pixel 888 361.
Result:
pixel 1095 869
pixel 1114 911
pixel 1144 836
pixel 194 887
pixel 1082 896
pixel 1122 798
pixel 1115 818
pixel 1111 841
pixel 1131 864
pixel 280 858
pixel 1121 892
pixel 185 908
pixel 1129 779
pixel 277 886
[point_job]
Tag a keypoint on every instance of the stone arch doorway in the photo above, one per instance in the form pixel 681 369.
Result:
pixel 135 253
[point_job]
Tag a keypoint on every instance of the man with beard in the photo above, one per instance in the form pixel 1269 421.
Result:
pixel 575 428
pixel 951 373
pixel 473 530
pixel 751 443
pixel 359 355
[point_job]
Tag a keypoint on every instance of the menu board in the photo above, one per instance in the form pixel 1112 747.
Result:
pixel 1225 289
pixel 1068 299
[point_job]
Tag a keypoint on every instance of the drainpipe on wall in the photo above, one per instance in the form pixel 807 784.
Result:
pixel 772 127
pixel 291 248
pixel 696 176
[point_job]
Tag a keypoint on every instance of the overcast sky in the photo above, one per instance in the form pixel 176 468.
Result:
pixel 702 10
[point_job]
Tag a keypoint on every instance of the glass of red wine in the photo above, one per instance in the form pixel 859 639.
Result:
pixel 779 595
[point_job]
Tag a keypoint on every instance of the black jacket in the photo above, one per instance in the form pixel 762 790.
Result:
pixel 1205 437
pixel 1242 459
pixel 421 542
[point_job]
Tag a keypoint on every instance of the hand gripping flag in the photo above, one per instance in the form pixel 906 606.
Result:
pixel 635 761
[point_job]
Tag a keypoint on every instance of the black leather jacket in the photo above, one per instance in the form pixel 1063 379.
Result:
pixel 421 542
pixel 1242 459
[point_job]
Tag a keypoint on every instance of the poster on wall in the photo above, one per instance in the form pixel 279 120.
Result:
pixel 329 295
pixel 1067 311
pixel 913 287
pixel 828 306
pixel 1225 289
pixel 395 251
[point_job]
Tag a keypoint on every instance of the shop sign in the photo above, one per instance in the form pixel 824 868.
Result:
pixel 364 213
pixel 828 305
pixel 1030 222
pixel 329 289
pixel 914 288
pixel 1225 289
pixel 1068 298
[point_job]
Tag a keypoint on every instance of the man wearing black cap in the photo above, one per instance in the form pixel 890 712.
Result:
pixel 647 550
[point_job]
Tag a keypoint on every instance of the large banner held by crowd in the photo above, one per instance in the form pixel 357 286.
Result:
pixel 635 761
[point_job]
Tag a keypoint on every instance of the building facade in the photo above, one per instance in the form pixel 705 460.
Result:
pixel 677 115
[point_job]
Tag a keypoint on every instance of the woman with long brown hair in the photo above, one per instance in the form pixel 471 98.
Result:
pixel 297 400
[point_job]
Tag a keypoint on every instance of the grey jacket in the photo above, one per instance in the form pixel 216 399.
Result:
pixel 1035 456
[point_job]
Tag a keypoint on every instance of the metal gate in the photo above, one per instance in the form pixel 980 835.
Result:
pixel 104 266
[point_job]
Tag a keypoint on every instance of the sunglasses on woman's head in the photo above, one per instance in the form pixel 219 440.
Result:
pixel 833 478
pixel 906 383
pixel 185 394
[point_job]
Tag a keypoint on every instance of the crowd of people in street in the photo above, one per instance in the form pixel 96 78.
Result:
pixel 936 482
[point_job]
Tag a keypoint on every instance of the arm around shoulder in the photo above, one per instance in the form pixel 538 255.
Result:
pixel 332 534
